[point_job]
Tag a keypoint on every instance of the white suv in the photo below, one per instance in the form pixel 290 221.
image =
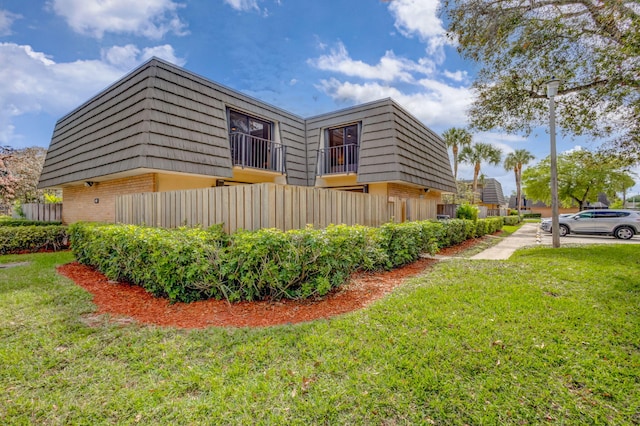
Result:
pixel 622 224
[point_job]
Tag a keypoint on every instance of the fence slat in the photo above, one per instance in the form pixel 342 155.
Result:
pixel 265 205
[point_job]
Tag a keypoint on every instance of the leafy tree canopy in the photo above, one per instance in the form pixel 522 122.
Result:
pixel 582 175
pixel 19 174
pixel 592 46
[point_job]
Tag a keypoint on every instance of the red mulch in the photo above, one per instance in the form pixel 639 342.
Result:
pixel 130 301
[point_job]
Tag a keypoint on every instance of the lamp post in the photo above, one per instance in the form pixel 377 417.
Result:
pixel 552 91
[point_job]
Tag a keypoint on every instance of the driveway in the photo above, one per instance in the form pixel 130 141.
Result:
pixel 530 235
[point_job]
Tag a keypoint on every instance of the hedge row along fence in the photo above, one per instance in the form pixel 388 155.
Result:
pixel 189 264
pixel 32 238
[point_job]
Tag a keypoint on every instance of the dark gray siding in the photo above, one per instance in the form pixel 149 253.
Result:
pixel 102 136
pixel 377 156
pixel 421 154
pixel 492 192
pixel 164 118
pixel 394 146
pixel 189 118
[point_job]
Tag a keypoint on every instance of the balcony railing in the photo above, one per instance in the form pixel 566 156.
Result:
pixel 338 160
pixel 257 153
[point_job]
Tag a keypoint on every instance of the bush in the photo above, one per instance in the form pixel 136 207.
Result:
pixel 532 215
pixel 511 220
pixel 467 211
pixel 403 242
pixel 30 238
pixel 190 264
pixel 25 222
pixel 180 264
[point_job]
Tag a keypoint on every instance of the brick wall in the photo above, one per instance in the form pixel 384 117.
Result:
pixel 80 201
pixel 406 191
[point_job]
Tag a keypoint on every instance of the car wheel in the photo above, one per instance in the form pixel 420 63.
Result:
pixel 623 233
pixel 564 230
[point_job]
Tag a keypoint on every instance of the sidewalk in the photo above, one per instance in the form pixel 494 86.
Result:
pixel 527 235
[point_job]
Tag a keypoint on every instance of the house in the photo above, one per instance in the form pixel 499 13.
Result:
pixel 490 195
pixel 162 128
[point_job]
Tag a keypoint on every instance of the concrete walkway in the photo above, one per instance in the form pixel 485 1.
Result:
pixel 531 235
pixel 527 235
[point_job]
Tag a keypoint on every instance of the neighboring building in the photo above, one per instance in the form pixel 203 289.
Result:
pixel 490 193
pixel 162 128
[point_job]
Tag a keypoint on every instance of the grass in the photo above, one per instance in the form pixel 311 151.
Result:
pixel 548 336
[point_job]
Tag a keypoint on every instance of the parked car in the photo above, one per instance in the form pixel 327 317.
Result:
pixel 622 224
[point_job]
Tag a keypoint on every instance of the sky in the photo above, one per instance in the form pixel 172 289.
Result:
pixel 307 57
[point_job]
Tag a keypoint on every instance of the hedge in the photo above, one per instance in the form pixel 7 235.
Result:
pixel 26 222
pixel 532 215
pixel 511 220
pixel 188 264
pixel 18 239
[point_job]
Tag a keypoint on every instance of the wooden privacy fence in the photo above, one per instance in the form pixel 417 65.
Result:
pixel 43 212
pixel 266 205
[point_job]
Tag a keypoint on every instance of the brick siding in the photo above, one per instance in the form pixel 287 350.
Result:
pixel 80 200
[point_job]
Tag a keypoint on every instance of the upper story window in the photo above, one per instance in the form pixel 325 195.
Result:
pixel 340 154
pixel 243 123
pixel 339 136
pixel 252 145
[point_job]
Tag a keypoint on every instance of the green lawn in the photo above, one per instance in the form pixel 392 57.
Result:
pixel 549 336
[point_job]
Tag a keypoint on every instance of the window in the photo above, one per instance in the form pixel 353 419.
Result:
pixel 242 123
pixel 251 143
pixel 342 149
pixel 340 136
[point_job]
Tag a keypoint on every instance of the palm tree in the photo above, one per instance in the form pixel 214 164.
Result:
pixel 514 161
pixel 456 138
pixel 477 154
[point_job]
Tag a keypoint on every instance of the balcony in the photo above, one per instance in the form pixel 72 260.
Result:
pixel 341 159
pixel 257 153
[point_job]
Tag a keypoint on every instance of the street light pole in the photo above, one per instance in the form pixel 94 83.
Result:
pixel 552 91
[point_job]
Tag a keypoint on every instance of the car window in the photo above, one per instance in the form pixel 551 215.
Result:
pixel 606 214
pixel 623 214
pixel 586 215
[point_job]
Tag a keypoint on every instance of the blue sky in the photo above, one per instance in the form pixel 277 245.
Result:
pixel 308 57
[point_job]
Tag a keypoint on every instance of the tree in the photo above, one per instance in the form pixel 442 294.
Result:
pixel 477 154
pixel 515 161
pixel 592 46
pixel 623 185
pixel 456 138
pixel 7 180
pixel 582 175
pixel 19 174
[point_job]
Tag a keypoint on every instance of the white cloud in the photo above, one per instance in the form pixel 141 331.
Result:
pixel 148 18
pixel 458 76
pixel 6 20
pixel 32 82
pixel 420 17
pixel 130 56
pixel 436 105
pixel 243 5
pixel 389 68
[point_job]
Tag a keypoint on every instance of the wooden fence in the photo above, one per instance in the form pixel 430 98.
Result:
pixel 43 212
pixel 267 205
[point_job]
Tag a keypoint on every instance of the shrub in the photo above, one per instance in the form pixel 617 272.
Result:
pixel 18 239
pixel 403 242
pixel 532 215
pixel 180 264
pixel 511 220
pixel 467 211
pixel 25 222
pixel 190 264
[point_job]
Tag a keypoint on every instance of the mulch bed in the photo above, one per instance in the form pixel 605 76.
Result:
pixel 126 303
